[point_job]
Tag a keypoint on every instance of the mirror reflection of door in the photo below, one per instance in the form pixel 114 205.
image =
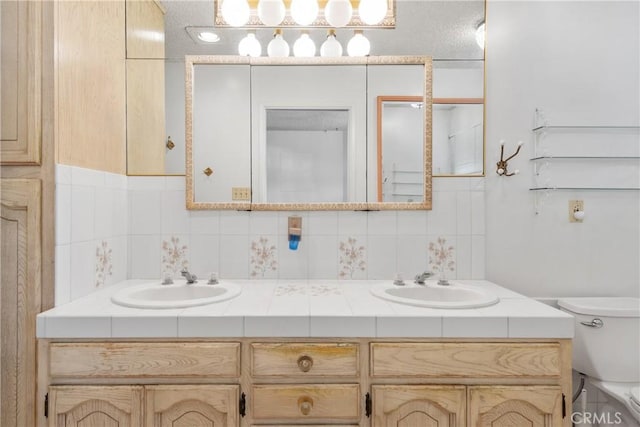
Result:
pixel 306 152
pixel 400 149
pixel 458 136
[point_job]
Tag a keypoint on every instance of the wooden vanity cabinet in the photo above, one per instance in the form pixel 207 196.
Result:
pixel 312 383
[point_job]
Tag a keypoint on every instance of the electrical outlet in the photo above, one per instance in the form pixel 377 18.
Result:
pixel 575 206
pixel 240 193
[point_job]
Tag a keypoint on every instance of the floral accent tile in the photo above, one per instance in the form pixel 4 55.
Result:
pixel 291 289
pixel 324 290
pixel 104 263
pixel 263 257
pixel 441 258
pixel 315 290
pixel 174 256
pixel 352 258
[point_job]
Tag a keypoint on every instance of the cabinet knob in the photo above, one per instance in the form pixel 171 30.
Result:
pixel 305 363
pixel 208 171
pixel 170 144
pixel 305 403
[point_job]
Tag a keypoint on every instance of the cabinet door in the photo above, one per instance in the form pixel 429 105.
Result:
pixel 419 406
pixel 536 406
pixel 145 117
pixel 145 29
pixel 90 406
pixel 20 246
pixel 20 109
pixel 192 405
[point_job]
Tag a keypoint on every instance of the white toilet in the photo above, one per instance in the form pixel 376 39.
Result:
pixel 606 346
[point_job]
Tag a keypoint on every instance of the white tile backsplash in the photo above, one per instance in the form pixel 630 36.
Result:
pixel 82 213
pixel 135 214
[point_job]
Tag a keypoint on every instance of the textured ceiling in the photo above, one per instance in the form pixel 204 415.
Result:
pixel 441 29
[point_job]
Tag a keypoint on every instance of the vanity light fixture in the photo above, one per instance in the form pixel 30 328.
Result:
pixel 480 32
pixel 358 45
pixel 338 12
pixel 250 46
pixel 501 166
pixel 235 12
pixel 278 46
pixel 372 11
pixel 304 46
pixel 302 13
pixel 271 12
pixel 331 46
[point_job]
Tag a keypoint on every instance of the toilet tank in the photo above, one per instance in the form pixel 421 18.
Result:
pixel 610 352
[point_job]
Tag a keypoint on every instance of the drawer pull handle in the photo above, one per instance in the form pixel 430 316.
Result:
pixel 305 363
pixel 305 403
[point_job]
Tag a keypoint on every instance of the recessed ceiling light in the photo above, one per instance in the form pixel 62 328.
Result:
pixel 208 37
pixel 202 35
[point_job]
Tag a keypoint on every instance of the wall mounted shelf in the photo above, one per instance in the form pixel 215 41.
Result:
pixel 543 156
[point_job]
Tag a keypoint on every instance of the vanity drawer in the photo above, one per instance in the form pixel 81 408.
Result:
pixel 306 402
pixel 304 359
pixel 144 360
pixel 470 360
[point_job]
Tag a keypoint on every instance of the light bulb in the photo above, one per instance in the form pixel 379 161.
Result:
pixel 480 35
pixel 271 12
pixel 338 12
pixel 304 46
pixel 304 12
pixel 235 12
pixel 331 46
pixel 208 37
pixel 278 46
pixel 372 11
pixel 358 45
pixel 249 46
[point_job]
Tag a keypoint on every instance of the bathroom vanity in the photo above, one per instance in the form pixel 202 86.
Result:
pixel 307 353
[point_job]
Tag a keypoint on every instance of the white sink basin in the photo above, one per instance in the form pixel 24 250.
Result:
pixel 436 296
pixel 155 295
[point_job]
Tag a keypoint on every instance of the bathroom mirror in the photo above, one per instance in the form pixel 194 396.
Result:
pixel 307 136
pixel 444 30
pixel 459 132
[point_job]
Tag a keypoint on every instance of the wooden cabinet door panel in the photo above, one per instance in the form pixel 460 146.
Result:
pixel 419 406
pixel 192 406
pixel 19 299
pixel 20 110
pixel 95 406
pixel 497 406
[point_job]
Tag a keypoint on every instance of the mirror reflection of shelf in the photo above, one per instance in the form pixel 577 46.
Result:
pixel 578 127
pixel 405 177
pixel 611 153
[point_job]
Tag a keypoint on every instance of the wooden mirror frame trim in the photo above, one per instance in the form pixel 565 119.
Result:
pixel 191 60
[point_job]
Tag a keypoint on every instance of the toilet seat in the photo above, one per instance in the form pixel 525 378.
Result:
pixel 634 399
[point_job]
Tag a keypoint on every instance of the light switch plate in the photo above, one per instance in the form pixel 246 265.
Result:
pixel 240 193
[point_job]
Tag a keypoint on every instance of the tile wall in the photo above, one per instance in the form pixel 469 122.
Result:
pixel 112 227
pixel 91 231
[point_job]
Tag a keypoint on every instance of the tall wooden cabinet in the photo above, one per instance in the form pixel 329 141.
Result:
pixel 26 200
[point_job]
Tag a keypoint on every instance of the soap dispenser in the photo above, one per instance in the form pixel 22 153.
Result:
pixel 295 232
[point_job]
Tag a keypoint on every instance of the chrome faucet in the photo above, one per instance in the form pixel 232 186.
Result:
pixel 420 278
pixel 191 278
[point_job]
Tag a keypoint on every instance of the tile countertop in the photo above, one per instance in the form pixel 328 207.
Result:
pixel 305 308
